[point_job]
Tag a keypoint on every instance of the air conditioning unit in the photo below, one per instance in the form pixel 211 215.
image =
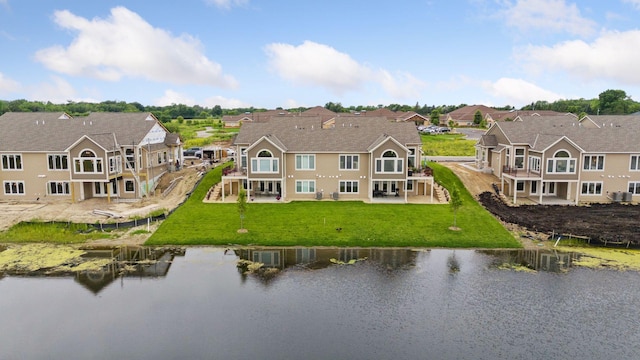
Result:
pixel 627 196
pixel 616 196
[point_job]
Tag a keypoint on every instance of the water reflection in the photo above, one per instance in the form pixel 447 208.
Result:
pixel 538 259
pixel 124 261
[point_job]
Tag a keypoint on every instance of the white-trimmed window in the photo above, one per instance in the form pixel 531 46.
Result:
pixel 58 188
pixel 13 187
pixel 390 163
pixel 305 186
pixel 11 162
pixel 635 163
pixel 534 163
pixel 102 188
pixel 129 186
pixel 520 185
pixel 348 187
pixel 88 163
pixel 593 163
pixel 349 162
pixel 115 164
pixel 561 163
pixel 634 187
pixel 591 188
pixel 519 158
pixel 264 163
pixel 305 162
pixel 58 162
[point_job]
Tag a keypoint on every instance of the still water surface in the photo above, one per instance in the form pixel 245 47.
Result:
pixel 396 304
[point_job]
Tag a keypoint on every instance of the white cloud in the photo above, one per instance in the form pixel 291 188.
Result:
pixel 547 15
pixel 227 4
pixel 125 45
pixel 613 55
pixel 225 103
pixel 7 85
pixel 314 64
pixel 518 92
pixel 57 90
pixel 173 97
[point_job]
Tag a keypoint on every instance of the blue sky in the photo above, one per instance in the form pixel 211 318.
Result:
pixel 281 53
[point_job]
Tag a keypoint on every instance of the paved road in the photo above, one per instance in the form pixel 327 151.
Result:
pixel 472 134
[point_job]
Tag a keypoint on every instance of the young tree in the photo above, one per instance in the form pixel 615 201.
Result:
pixel 242 207
pixel 455 202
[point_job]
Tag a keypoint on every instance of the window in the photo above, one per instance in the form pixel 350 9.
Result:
pixel 412 158
pixel 102 189
pixel 390 163
pixel 58 162
pixel 264 163
pixel 519 158
pixel 58 188
pixel 349 187
pixel 14 187
pixel 88 163
pixel 305 162
pixel 268 258
pixel 560 163
pixel 115 164
pixel 634 187
pixel 11 162
pixel 129 154
pixel 591 188
pixel 593 162
pixel 129 186
pixel 635 163
pixel 534 164
pixel 349 162
pixel 520 186
pixel 305 186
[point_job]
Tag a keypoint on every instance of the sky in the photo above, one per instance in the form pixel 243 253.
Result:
pixel 293 53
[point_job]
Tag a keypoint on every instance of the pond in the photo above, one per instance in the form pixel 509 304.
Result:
pixel 322 303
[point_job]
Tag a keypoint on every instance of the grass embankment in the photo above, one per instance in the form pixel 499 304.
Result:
pixel 58 233
pixel 447 145
pixel 340 223
pixel 188 130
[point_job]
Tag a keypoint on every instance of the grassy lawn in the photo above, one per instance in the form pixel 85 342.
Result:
pixel 447 145
pixel 315 223
pixel 58 233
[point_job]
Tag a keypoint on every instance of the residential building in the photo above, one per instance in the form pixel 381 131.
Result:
pixel 560 159
pixel 346 158
pixel 53 156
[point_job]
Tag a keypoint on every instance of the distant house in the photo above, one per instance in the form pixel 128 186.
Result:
pixel 560 159
pixel 355 158
pixel 54 156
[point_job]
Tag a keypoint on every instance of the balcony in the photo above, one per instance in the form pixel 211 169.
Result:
pixel 520 173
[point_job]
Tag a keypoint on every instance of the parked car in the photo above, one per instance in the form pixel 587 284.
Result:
pixel 193 151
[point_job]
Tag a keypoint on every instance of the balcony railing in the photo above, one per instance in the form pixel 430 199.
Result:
pixel 513 171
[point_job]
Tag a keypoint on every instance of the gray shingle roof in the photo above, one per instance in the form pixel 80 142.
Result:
pixel 613 134
pixel 40 131
pixel 350 133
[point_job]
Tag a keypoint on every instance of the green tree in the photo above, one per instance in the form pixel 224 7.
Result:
pixel 435 117
pixel 455 202
pixel 477 117
pixel 242 207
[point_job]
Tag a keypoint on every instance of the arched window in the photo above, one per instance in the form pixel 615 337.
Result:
pixel 88 162
pixel 390 163
pixel 561 163
pixel 264 163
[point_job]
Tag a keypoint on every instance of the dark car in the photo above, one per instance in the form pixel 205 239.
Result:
pixel 193 151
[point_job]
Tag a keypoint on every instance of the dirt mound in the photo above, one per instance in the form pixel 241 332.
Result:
pixel 605 223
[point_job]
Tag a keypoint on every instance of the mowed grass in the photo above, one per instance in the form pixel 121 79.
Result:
pixel 333 223
pixel 447 145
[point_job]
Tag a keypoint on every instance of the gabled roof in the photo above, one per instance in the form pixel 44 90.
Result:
pixel 318 110
pixel 349 133
pixel 41 131
pixel 620 134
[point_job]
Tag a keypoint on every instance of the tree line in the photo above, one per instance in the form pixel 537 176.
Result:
pixel 609 102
